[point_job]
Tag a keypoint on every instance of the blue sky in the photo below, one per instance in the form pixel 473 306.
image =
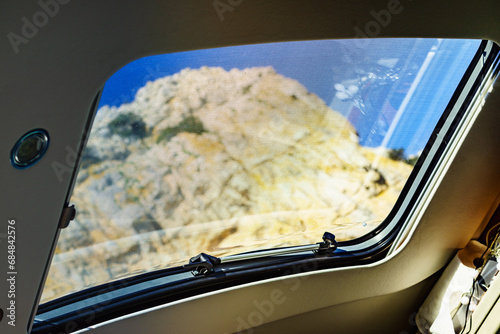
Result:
pixel 319 65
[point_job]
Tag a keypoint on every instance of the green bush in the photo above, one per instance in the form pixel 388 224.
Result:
pixel 188 124
pixel 128 125
pixel 397 154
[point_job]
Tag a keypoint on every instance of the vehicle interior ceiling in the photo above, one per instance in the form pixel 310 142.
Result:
pixel 53 79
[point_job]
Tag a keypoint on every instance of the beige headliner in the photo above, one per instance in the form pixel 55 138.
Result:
pixel 52 80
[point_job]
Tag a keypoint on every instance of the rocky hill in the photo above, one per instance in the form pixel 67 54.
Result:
pixel 222 162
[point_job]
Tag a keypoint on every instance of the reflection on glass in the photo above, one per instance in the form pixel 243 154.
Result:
pixel 252 147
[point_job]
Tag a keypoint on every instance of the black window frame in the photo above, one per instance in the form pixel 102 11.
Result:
pixel 124 296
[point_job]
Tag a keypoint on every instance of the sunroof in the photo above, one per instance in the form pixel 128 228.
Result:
pixel 250 147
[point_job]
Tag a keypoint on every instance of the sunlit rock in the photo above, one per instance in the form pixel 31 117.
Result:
pixel 221 162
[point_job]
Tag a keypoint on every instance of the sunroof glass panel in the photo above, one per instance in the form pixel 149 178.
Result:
pixel 250 147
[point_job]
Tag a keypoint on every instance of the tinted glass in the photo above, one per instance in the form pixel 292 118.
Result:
pixel 251 147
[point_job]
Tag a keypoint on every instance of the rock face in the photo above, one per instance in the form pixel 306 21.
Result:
pixel 220 162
